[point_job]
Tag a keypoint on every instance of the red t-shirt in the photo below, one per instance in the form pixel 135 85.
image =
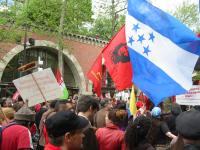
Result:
pixel 51 147
pixel 16 137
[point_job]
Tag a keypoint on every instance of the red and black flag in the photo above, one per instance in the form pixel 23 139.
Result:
pixel 117 61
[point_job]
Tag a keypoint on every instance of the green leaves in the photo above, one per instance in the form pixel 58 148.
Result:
pixel 188 14
pixel 45 14
pixel 10 35
pixel 104 27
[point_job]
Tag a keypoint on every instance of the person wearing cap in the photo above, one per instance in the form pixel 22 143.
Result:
pixel 188 128
pixel 159 134
pixel 65 131
pixel 140 108
pixel 16 134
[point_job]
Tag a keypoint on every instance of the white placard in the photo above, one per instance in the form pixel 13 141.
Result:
pixel 192 97
pixel 38 87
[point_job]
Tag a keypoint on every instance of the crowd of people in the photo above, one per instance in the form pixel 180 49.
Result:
pixel 88 123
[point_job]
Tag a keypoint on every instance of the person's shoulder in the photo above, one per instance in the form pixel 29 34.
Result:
pixel 20 128
pixel 17 130
pixel 101 129
pixel 16 127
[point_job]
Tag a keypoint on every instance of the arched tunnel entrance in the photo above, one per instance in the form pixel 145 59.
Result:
pixel 73 75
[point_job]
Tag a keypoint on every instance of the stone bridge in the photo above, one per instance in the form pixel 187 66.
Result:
pixel 79 52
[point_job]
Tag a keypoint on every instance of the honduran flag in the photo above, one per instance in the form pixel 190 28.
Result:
pixel 163 51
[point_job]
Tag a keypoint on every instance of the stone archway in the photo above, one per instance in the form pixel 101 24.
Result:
pixel 73 63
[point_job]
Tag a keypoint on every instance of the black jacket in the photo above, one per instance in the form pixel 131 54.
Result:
pixel 145 146
pixel 90 140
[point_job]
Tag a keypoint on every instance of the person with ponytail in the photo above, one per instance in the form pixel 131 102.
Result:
pixel 111 137
pixel 136 134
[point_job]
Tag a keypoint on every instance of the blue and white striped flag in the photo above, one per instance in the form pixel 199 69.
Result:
pixel 163 51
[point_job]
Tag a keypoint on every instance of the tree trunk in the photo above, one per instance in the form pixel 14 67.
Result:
pixel 60 37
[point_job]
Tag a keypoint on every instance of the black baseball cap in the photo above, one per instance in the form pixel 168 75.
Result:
pixel 188 124
pixel 63 122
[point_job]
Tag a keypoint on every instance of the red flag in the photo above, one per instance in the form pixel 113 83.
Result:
pixel 117 61
pixel 95 75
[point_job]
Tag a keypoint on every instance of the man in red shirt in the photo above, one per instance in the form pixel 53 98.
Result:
pixel 65 131
pixel 16 135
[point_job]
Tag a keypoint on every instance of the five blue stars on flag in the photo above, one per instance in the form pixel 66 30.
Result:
pixel 141 38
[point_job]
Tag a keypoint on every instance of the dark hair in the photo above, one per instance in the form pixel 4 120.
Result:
pixel 85 102
pixel 137 131
pixel 3 101
pixel 104 102
pixel 57 141
pixel 155 130
pixel 176 109
pixel 24 123
pixel 117 116
pixel 53 104
pixel 121 105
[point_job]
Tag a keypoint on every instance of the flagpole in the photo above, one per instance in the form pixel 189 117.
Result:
pixel 39 89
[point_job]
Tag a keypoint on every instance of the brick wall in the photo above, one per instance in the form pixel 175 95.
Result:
pixel 83 48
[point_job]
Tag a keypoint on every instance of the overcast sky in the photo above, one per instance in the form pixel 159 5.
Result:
pixel 170 5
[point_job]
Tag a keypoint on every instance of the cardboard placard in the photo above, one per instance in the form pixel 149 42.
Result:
pixel 192 97
pixel 38 87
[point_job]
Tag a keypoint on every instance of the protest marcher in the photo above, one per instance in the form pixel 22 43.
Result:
pixel 65 131
pixel 43 136
pixel 140 108
pixel 37 107
pixel 171 121
pixel 16 134
pixel 39 114
pixel 99 118
pixel 61 105
pixel 136 134
pixel 122 106
pixel 87 107
pixel 187 125
pixel 111 137
pixel 3 102
pixel 70 106
pixel 159 134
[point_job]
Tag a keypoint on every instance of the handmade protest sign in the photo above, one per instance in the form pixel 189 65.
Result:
pixel 190 98
pixel 38 87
